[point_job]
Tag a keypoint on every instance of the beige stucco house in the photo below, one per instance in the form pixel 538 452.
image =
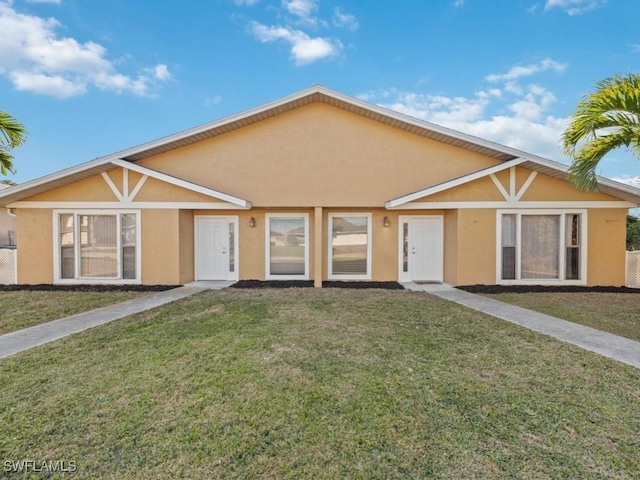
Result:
pixel 319 186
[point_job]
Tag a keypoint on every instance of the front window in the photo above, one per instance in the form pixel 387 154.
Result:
pixel 287 247
pixel 350 246
pixel 97 247
pixel 541 246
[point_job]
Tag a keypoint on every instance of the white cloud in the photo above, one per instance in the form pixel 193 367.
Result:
pixel 574 7
pixel 55 2
pixel 628 179
pixel 304 49
pixel 36 59
pixel 520 71
pixel 247 3
pixel 458 3
pixel 518 120
pixel 341 19
pixel 300 8
pixel 161 72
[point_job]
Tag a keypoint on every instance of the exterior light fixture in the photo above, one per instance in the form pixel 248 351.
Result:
pixel 252 222
pixel 386 222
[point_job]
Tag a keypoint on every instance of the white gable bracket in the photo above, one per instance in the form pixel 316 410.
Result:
pixel 180 183
pixel 453 183
pixel 112 186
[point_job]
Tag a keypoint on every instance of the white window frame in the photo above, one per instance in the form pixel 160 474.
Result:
pixel 267 244
pixel 78 280
pixel 333 276
pixel 562 254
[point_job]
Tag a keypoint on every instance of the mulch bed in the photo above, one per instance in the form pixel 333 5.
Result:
pixel 273 284
pixel 381 285
pixel 489 289
pixel 309 284
pixel 86 288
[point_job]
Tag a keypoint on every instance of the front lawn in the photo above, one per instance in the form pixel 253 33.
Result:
pixel 617 313
pixel 26 308
pixel 308 383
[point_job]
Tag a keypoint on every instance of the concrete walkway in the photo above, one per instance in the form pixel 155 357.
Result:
pixel 15 342
pixel 606 344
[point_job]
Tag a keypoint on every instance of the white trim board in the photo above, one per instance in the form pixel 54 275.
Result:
pixel 125 205
pixel 516 204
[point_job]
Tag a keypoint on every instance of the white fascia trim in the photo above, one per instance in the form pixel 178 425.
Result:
pixel 267 236
pixel 139 205
pixel 54 176
pixel 541 204
pixel 181 183
pixel 452 183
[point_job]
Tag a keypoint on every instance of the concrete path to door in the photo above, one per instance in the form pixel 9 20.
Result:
pixel 606 344
pixel 14 342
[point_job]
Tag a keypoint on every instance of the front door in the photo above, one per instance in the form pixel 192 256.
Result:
pixel 215 248
pixel 421 249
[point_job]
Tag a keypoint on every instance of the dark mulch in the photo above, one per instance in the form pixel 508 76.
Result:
pixel 309 283
pixel 382 285
pixel 489 289
pixel 273 284
pixel 86 288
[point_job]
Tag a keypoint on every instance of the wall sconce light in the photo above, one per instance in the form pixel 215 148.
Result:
pixel 252 222
pixel 386 222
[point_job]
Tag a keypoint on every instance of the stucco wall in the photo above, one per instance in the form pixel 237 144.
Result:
pixel 476 258
pixel 160 247
pixel 606 246
pixel 35 246
pixel 318 155
pixel 186 235
pixel 451 246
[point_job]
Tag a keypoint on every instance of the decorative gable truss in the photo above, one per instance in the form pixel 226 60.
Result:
pixel 199 197
pixel 511 194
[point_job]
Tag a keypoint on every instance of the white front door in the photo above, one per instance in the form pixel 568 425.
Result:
pixel 215 248
pixel 421 249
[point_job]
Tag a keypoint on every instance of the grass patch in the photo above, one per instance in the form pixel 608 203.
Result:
pixel 25 308
pixel 617 313
pixel 332 383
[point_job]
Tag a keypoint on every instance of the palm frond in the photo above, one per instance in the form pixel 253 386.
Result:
pixel 605 119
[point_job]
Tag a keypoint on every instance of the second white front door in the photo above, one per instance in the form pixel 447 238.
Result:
pixel 421 249
pixel 215 248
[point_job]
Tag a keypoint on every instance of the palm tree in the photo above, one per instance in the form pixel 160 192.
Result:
pixel 12 134
pixel 605 119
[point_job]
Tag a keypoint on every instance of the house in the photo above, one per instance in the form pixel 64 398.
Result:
pixel 319 186
pixel 7 226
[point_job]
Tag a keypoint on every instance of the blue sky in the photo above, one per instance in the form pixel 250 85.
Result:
pixel 89 78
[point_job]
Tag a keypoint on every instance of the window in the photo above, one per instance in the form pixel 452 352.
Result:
pixel 541 246
pixel 97 247
pixel 287 247
pixel 350 246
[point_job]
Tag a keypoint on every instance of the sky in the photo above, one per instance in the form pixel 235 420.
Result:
pixel 88 78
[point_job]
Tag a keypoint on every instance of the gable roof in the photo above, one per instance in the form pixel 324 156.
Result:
pixel 546 167
pixel 316 93
pixel 101 165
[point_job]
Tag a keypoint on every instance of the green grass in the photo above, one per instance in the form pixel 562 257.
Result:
pixel 617 313
pixel 332 383
pixel 22 309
